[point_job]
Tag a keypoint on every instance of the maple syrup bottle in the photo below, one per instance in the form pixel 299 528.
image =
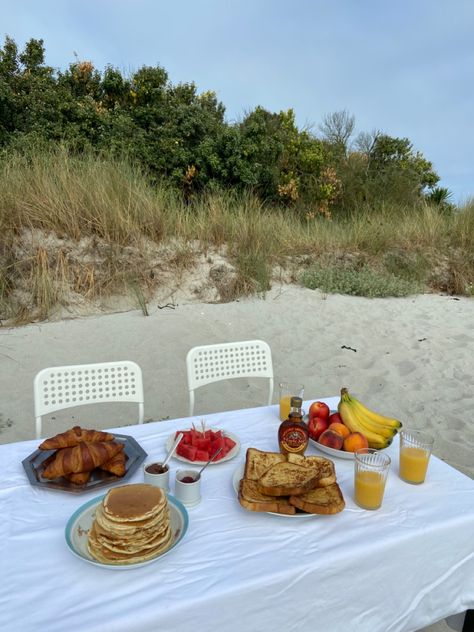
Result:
pixel 293 432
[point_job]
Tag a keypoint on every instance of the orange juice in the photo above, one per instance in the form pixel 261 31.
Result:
pixel 413 464
pixel 369 488
pixel 285 405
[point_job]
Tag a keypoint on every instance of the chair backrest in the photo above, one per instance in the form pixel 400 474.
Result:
pixel 59 387
pixel 212 363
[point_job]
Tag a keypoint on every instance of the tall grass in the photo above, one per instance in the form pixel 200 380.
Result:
pixel 111 208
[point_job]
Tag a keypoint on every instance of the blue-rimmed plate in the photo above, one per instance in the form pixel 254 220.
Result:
pixel 77 531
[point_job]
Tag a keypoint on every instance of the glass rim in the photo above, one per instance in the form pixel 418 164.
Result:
pixel 412 436
pixel 364 451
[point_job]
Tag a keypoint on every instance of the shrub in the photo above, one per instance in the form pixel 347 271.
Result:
pixel 363 282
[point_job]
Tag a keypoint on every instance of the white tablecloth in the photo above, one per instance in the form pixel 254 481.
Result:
pixel 399 568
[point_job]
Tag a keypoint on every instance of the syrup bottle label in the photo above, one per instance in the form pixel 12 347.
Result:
pixel 293 439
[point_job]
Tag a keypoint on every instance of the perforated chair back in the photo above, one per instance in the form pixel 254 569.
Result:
pixel 212 363
pixel 60 387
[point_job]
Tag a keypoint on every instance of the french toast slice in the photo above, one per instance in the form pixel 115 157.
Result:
pixel 286 479
pixel 250 498
pixel 327 471
pixel 258 462
pixel 322 500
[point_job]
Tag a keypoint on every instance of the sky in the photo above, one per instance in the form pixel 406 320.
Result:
pixel 405 67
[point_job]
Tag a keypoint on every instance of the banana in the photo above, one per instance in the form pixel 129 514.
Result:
pixel 366 413
pixel 368 424
pixel 348 417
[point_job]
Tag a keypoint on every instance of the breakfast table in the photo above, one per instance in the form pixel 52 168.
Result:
pixel 402 567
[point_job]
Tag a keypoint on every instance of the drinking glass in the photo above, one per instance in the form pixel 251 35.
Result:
pixel 415 452
pixel 287 390
pixel 370 475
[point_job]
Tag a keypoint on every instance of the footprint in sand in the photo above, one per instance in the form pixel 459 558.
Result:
pixel 405 367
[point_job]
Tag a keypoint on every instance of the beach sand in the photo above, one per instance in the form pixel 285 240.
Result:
pixel 410 358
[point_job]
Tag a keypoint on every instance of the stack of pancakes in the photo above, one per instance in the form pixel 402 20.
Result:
pixel 131 525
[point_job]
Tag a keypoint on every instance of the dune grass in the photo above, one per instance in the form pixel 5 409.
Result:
pixel 108 207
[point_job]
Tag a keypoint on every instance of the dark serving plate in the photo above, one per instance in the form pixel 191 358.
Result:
pixel 34 462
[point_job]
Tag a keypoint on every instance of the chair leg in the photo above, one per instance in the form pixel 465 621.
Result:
pixel 38 427
pixel 468 625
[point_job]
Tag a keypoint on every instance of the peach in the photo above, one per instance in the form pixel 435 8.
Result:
pixel 340 429
pixel 331 439
pixel 355 441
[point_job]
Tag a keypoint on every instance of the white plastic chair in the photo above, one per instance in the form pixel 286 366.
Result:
pixel 212 363
pixel 59 387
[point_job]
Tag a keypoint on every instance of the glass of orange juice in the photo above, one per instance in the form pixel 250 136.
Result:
pixel 370 475
pixel 415 452
pixel 286 392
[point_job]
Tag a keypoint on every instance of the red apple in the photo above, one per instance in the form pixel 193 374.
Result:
pixel 317 426
pixel 335 418
pixel 319 409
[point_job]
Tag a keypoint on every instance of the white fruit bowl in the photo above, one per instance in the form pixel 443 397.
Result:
pixel 338 454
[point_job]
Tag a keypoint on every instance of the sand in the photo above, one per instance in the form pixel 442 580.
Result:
pixel 411 358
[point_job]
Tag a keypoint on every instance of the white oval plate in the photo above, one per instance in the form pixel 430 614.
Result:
pixel 230 455
pixel 239 473
pixel 338 454
pixel 77 530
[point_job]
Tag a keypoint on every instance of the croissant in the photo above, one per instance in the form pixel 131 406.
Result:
pixel 116 465
pixel 81 458
pixel 80 478
pixel 73 437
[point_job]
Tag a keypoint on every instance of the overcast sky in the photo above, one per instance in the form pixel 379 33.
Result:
pixel 404 67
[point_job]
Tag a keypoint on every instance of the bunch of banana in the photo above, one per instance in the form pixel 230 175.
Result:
pixel 378 429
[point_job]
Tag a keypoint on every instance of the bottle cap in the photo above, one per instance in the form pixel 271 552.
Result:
pixel 296 402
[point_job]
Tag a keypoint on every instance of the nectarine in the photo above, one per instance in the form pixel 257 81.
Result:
pixel 318 409
pixel 355 441
pixel 331 439
pixel 317 426
pixel 340 429
pixel 335 417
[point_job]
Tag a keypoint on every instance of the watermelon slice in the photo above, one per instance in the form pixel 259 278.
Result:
pixel 200 446
pixel 229 443
pixel 204 444
pixel 202 455
pixel 187 451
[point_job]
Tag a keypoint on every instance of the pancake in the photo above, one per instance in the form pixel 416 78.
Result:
pixel 129 503
pixel 131 525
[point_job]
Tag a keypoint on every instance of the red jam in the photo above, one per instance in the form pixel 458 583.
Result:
pixel 188 479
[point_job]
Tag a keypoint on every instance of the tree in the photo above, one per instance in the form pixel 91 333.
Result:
pixel 181 136
pixel 389 155
pixel 337 128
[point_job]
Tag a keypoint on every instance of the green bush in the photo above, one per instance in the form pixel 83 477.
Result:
pixel 180 136
pixel 362 282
